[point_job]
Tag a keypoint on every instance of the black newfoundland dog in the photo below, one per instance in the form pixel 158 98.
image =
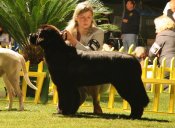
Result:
pixel 71 68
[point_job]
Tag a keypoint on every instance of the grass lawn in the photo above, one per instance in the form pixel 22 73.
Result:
pixel 42 116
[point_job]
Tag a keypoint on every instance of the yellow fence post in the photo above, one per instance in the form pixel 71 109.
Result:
pixel 121 49
pixel 40 81
pixel 130 50
pixel 55 93
pixel 172 88
pixel 24 84
pixel 156 87
pixel 171 102
pixel 40 75
pixel 112 92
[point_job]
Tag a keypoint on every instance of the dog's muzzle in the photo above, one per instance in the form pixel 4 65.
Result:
pixel 33 38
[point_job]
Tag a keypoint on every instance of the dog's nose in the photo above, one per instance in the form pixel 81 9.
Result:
pixel 33 37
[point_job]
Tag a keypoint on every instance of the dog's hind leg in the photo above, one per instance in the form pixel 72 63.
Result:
pixel 10 91
pixel 141 100
pixel 94 91
pixel 15 83
pixel 132 90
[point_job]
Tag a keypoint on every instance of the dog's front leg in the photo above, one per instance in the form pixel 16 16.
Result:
pixel 69 99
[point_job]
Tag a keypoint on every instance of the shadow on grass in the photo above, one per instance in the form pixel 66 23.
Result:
pixel 109 116
pixel 15 110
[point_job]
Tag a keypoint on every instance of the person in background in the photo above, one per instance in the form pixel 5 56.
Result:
pixel 169 9
pixel 164 45
pixel 5 40
pixel 83 34
pixel 130 25
pixel 82 31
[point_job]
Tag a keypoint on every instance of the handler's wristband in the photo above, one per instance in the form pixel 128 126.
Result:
pixel 94 44
pixel 155 48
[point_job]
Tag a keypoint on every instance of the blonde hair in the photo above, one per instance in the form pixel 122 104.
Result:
pixel 80 8
pixel 163 23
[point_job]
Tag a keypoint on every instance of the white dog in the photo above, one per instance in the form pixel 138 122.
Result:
pixel 11 64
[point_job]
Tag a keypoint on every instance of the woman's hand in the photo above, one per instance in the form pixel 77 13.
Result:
pixel 69 37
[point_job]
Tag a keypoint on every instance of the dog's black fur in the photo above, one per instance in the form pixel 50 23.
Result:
pixel 70 68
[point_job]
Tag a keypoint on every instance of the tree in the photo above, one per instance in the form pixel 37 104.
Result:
pixel 19 18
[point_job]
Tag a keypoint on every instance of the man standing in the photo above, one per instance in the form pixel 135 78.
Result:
pixel 130 25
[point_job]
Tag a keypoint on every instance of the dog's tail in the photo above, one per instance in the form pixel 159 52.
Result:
pixel 26 77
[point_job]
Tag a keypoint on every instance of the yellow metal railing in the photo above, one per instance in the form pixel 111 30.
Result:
pixel 40 75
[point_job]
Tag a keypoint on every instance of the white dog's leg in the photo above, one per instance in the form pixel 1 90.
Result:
pixel 10 91
pixel 15 83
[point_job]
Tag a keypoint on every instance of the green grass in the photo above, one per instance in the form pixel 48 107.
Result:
pixel 41 116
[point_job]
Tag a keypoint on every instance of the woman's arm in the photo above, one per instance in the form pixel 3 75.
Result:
pixel 74 42
pixel 156 47
pixel 99 36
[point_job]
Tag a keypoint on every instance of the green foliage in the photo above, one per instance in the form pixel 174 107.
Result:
pixel 41 116
pixel 19 18
pixel 109 27
pixel 99 7
pixel 101 13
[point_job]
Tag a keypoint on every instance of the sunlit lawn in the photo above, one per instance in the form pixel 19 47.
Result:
pixel 41 116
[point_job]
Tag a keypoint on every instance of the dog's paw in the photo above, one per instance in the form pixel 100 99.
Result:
pixel 8 108
pixel 136 113
pixel 97 110
pixel 59 111
pixel 21 109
